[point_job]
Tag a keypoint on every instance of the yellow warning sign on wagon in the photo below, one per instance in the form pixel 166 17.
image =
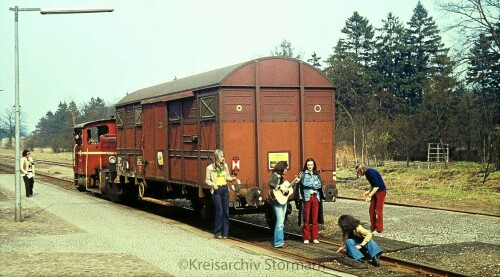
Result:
pixel 159 157
pixel 274 157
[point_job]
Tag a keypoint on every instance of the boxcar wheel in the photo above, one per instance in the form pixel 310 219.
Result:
pixel 207 212
pixel 142 190
pixel 111 192
pixel 81 184
pixel 196 202
pixel 196 205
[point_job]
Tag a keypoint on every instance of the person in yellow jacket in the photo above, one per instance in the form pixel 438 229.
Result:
pixel 217 175
pixel 356 240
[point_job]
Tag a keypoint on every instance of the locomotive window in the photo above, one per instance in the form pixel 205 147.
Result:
pixel 208 107
pixel 77 135
pixel 174 111
pixel 138 116
pixel 119 118
pixel 94 133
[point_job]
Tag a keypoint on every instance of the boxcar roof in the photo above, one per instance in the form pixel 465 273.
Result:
pixel 199 81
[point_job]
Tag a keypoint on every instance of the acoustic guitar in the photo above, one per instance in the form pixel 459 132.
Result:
pixel 278 197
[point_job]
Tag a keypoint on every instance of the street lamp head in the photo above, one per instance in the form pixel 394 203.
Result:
pixel 74 10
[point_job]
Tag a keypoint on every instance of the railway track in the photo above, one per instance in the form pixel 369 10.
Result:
pixel 328 253
pixel 320 255
pixel 298 251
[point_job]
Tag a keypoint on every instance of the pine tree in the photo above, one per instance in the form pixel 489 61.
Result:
pixel 349 68
pixel 359 40
pixel 285 50
pixel 422 52
pixel 387 65
pixel 96 109
pixel 484 76
pixel 315 61
pixel 484 66
pixel 73 111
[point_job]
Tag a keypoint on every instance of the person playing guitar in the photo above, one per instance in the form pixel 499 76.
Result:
pixel 277 182
pixel 285 190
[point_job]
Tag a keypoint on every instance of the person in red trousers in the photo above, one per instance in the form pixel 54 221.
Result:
pixel 309 202
pixel 375 196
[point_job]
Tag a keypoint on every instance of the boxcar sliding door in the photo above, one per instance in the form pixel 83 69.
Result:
pixel 279 131
pixel 208 133
pixel 154 119
pixel 183 140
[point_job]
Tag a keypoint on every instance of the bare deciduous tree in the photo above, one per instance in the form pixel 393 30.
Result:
pixel 473 17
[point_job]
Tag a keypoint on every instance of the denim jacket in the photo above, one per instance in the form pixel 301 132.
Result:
pixel 310 182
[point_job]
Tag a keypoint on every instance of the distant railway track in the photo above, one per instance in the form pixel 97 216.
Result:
pixel 426 207
pixel 40 175
pixel 4 159
pixel 349 180
pixel 11 159
pixel 64 164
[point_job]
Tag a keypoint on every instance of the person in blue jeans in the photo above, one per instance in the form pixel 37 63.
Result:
pixel 276 181
pixel 357 241
pixel 217 175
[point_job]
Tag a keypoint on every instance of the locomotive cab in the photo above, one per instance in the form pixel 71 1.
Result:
pixel 94 156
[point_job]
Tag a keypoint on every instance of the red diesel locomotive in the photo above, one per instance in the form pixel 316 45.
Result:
pixel 94 157
pixel 258 112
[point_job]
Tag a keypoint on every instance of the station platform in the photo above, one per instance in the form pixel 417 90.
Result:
pixel 68 233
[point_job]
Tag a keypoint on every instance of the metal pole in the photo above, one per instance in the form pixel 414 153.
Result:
pixel 17 112
pixel 16 11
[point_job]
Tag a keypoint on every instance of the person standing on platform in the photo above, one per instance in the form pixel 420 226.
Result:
pixel 356 238
pixel 309 201
pixel 276 182
pixel 28 172
pixel 217 176
pixel 375 196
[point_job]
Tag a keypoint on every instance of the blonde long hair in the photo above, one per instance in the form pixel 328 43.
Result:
pixel 216 157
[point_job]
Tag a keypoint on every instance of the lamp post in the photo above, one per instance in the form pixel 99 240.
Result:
pixel 16 10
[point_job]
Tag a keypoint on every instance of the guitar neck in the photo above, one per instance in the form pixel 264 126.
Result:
pixel 290 184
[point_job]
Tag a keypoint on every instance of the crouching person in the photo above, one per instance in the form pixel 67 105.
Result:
pixel 357 241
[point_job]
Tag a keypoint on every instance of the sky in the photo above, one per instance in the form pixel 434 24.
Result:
pixel 73 57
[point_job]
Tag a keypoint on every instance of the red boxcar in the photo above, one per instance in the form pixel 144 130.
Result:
pixel 258 112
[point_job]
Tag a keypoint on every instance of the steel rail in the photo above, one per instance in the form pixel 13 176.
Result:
pixel 424 207
pixel 391 261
